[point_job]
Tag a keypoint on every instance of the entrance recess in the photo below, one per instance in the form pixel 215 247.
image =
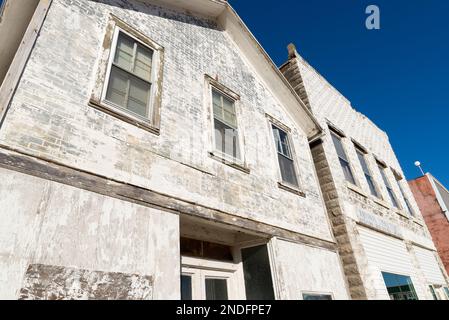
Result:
pixel 223 263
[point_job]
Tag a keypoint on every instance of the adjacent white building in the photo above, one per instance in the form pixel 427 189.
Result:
pixel 385 246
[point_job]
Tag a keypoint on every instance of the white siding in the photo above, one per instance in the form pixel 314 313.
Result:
pixel 387 254
pixel 429 265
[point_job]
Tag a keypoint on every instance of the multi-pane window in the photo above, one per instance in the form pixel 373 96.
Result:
pixel 225 123
pixel 399 287
pixel 407 202
pixel 129 85
pixel 285 156
pixel 344 162
pixel 369 179
pixel 391 195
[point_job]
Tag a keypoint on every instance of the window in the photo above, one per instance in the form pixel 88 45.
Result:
pixel 369 179
pixel 314 296
pixel 216 289
pixel 285 156
pixel 407 202
pixel 257 273
pixel 434 294
pixel 129 84
pixel 129 78
pixel 344 162
pixel 393 200
pixel 446 290
pixel 225 124
pixel 186 287
pixel 399 287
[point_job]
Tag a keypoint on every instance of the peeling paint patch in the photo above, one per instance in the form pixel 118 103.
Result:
pixel 44 282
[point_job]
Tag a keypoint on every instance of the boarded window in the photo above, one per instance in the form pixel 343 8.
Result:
pixel 225 125
pixel 257 272
pixel 369 179
pixel 285 156
pixel 344 162
pixel 129 84
pixel 206 250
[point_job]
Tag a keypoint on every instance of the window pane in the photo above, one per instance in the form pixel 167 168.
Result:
pixel 226 139
pixel 216 289
pixel 125 51
pixel 216 101
pixel 117 88
pixel 339 147
pixel 142 67
pixel 363 162
pixel 257 273
pixel 287 170
pixel 282 142
pixel 399 287
pixel 392 198
pixel 371 185
pixel 347 171
pixel 186 287
pixel 317 297
pixel 139 95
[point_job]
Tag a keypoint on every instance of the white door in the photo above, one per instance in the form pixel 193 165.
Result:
pixel 211 280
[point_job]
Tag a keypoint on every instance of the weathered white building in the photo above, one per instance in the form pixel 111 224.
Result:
pixel 152 150
pixel 384 244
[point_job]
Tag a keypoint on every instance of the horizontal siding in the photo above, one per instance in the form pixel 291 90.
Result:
pixel 429 265
pixel 387 254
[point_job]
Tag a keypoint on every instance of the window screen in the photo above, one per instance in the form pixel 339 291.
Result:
pixel 129 84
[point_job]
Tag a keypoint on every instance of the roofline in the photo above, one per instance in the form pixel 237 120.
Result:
pixel 255 54
pixel 301 58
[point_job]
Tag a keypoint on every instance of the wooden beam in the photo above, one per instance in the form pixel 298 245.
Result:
pixel 60 173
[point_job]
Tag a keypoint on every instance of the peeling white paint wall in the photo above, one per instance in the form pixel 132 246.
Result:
pixel 53 224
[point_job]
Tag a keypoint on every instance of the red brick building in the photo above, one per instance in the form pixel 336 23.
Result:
pixel 433 201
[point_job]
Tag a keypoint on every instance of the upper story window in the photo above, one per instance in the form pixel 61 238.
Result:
pixel 344 161
pixel 285 156
pixel 407 202
pixel 225 125
pixel 382 170
pixel 129 79
pixel 369 179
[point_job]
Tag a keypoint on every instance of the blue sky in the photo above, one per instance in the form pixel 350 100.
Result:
pixel 398 76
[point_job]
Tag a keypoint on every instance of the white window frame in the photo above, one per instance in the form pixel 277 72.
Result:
pixel 201 269
pixel 98 99
pixel 238 163
pixel 281 183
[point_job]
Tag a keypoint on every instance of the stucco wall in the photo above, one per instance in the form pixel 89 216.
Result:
pixel 80 236
pixel 51 109
pixel 303 269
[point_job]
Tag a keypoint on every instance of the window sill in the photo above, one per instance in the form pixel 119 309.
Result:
pixel 403 214
pixel 291 189
pixel 233 163
pixel 418 222
pixel 356 189
pixel 382 203
pixel 145 125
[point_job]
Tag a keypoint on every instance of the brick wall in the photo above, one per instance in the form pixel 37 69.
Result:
pixel 433 215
